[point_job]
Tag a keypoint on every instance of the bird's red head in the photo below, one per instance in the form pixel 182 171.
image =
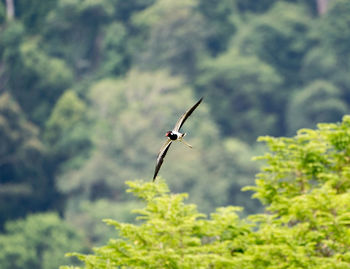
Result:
pixel 168 133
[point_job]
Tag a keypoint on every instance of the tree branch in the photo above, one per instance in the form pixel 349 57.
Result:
pixel 10 9
pixel 322 6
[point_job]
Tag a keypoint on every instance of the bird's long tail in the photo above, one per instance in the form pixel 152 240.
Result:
pixel 183 141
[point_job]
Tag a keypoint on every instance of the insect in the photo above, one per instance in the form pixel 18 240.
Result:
pixel 172 136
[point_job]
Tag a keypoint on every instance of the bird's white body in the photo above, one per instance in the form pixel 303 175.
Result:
pixel 179 135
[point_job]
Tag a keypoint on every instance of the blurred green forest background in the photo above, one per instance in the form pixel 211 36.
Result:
pixel 88 89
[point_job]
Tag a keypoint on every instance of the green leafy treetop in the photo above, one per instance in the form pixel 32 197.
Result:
pixel 171 235
pixel 305 188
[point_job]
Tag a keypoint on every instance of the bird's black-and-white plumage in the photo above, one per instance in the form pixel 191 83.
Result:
pixel 174 135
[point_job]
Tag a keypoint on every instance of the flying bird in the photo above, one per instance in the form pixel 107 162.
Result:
pixel 174 135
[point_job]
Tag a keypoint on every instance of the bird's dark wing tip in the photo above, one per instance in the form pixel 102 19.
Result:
pixel 161 155
pixel 184 117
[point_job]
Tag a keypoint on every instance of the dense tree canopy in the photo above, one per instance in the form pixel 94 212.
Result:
pixel 88 89
pixel 39 241
pixel 305 188
pixel 25 185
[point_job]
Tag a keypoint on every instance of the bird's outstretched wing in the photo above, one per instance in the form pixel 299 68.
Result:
pixel 184 117
pixel 161 155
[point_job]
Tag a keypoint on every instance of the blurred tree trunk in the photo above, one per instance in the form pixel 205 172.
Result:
pixel 10 9
pixel 322 6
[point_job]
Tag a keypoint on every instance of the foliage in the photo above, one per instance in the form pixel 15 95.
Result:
pixel 222 26
pixel 253 6
pixel 305 187
pixel 279 37
pixel 24 183
pixel 2 13
pixel 33 15
pixel 66 130
pixel 88 88
pixel 169 44
pixel 39 241
pixel 114 60
pixel 329 59
pixel 40 71
pixel 320 101
pixel 86 215
pixel 336 24
pixel 246 86
pixel 172 234
pixel 46 76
